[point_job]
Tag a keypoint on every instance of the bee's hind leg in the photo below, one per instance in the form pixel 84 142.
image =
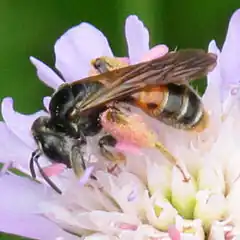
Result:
pixel 107 144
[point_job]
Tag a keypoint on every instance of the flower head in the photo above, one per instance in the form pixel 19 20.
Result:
pixel 147 198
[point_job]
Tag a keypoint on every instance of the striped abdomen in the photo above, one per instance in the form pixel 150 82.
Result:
pixel 175 105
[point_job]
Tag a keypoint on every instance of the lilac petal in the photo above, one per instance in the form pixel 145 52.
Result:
pixel 12 148
pixel 32 226
pixel 137 37
pixel 230 60
pixel 30 194
pixel 19 124
pixel 46 74
pixel 46 102
pixel 19 217
pixel 155 52
pixel 214 77
pixel 77 47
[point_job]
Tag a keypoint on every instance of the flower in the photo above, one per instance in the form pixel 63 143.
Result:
pixel 148 198
pixel 74 52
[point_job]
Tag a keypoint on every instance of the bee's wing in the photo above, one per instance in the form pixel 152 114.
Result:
pixel 175 67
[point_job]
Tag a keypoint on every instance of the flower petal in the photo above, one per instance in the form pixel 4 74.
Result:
pixel 159 211
pixel 230 61
pixel 137 37
pixel 99 236
pixel 32 226
pixel 183 194
pixel 145 231
pixel 22 153
pixel 8 142
pixel 211 178
pixel 159 179
pixel 19 124
pixel 214 76
pixel 76 48
pixel 126 189
pixel 46 74
pixel 210 207
pixel 155 52
pixel 217 231
pixel 46 102
pixel 29 193
pixel 213 96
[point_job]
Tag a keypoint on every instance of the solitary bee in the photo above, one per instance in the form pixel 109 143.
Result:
pixel 159 87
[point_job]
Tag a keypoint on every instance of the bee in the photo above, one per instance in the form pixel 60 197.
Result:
pixel 159 87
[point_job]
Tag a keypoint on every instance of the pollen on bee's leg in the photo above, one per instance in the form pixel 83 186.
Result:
pixel 131 128
pixel 128 147
pixel 128 128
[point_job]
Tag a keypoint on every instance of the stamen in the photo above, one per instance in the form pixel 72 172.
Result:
pixel 228 228
pixel 173 160
pixel 126 226
pixel 5 168
pixel 234 91
pixel 114 170
pixel 174 234
pixel 132 195
pixel 86 175
pixel 192 146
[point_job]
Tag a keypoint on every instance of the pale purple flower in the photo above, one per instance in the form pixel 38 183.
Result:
pixel 75 49
pixel 147 199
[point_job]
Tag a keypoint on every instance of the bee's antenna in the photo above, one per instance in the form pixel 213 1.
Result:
pixel 34 159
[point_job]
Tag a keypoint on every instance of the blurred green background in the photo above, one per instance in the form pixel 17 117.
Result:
pixel 30 27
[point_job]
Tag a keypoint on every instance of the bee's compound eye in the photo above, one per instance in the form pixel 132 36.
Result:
pixel 100 65
pixel 97 63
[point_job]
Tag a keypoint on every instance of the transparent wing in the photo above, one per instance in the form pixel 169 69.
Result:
pixel 175 67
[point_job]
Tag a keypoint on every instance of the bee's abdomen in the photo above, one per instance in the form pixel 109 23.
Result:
pixel 183 107
pixel 176 105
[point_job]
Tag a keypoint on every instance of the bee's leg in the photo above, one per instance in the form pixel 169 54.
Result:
pixel 77 159
pixel 109 141
pixel 34 159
